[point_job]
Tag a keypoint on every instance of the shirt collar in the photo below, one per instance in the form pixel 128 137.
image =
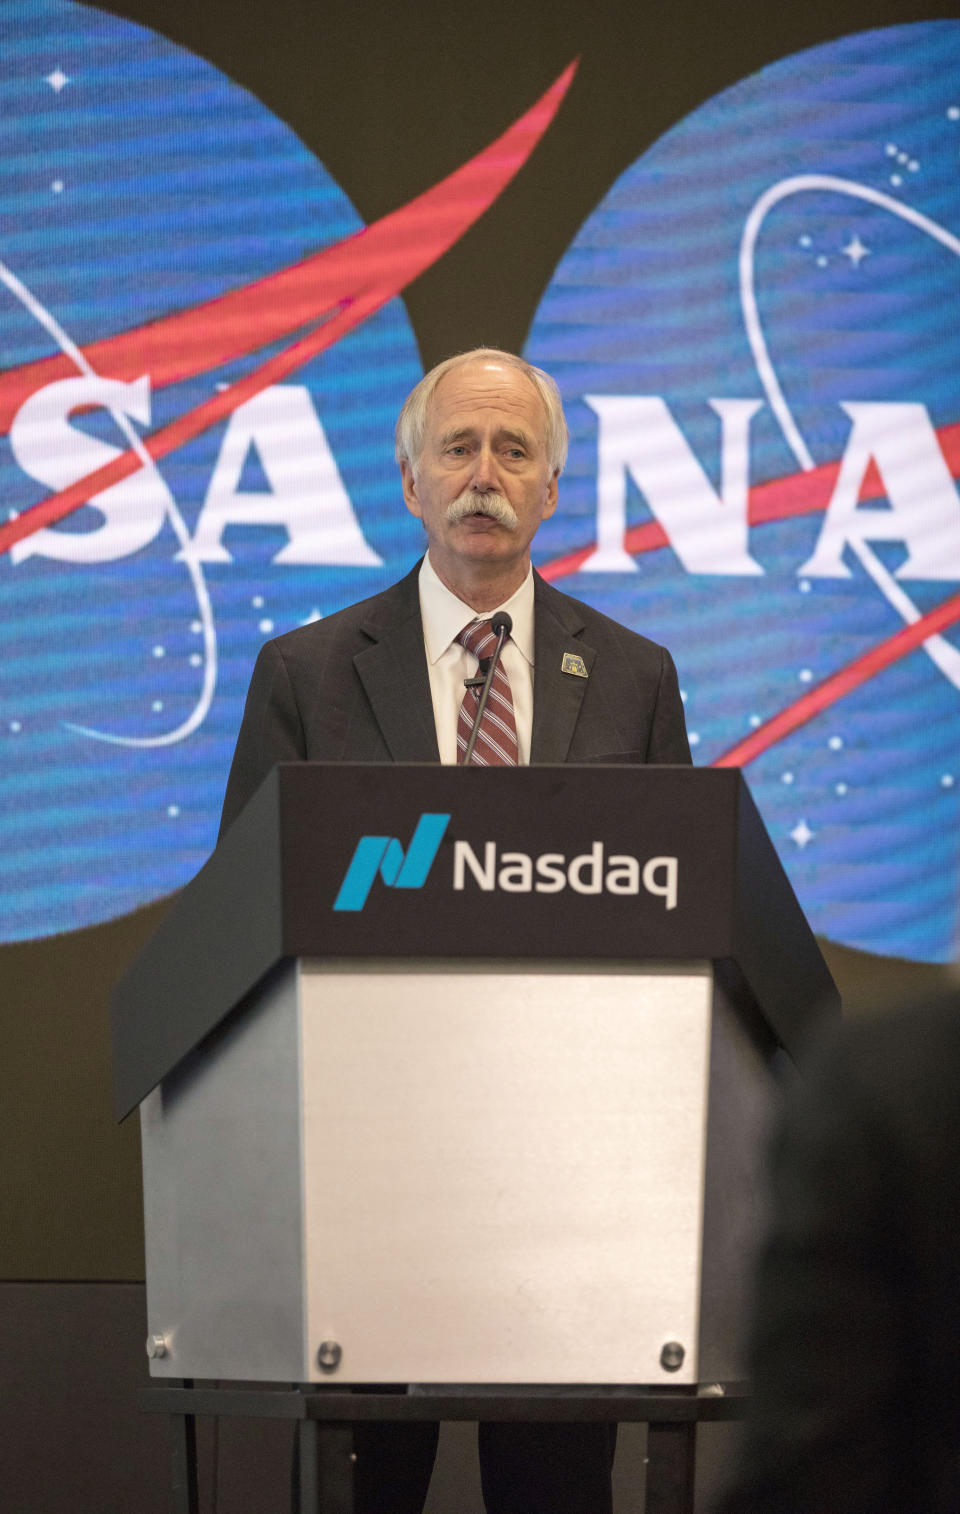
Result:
pixel 444 615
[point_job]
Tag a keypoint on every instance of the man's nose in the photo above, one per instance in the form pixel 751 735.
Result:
pixel 484 478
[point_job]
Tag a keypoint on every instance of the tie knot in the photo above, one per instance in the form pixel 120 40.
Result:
pixel 479 638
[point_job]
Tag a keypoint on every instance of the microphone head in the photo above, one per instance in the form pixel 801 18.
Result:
pixel 501 622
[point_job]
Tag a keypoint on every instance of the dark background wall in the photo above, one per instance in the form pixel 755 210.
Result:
pixel 390 97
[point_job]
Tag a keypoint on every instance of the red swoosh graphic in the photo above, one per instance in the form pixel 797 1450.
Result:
pixel 883 655
pixel 347 283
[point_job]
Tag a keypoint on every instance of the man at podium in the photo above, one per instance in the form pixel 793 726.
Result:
pixel 471 657
pixel 481 442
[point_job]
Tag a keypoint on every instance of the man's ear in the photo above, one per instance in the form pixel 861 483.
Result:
pixel 553 491
pixel 410 497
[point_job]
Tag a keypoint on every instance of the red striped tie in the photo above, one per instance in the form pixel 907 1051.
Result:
pixel 496 744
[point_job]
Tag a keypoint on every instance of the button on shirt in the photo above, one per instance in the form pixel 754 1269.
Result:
pixel 444 617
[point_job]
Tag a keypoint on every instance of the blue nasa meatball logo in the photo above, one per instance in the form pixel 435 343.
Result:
pixel 204 356
pixel 186 465
pixel 757 337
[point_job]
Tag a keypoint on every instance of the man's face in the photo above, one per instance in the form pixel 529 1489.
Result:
pixel 485 436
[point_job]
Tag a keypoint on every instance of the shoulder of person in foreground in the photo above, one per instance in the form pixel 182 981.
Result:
pixel 856 1406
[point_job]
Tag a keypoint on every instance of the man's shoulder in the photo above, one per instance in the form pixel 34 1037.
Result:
pixel 579 617
pixel 360 622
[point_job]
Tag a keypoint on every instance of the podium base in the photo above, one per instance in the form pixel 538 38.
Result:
pixel 323 1482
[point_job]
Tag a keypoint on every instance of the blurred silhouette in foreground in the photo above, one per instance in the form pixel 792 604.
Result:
pixel 855 1349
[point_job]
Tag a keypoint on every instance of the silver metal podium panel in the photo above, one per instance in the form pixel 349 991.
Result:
pixel 453 1175
pixel 505 1172
pixel 223 1203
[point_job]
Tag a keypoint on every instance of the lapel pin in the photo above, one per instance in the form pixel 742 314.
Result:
pixel 572 663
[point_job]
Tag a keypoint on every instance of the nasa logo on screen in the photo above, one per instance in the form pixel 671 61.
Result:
pixel 757 338
pixel 203 360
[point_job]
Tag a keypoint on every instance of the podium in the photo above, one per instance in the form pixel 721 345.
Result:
pixel 456 1081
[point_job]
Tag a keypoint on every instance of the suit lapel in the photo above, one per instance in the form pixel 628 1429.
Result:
pixel 393 671
pixel 557 696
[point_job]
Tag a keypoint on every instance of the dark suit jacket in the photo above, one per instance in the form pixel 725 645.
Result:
pixel 355 688
pixel 856 1343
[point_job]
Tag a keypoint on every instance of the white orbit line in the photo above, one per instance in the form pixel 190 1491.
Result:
pixel 943 654
pixel 204 608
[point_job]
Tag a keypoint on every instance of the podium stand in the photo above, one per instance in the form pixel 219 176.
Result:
pixel 455 1081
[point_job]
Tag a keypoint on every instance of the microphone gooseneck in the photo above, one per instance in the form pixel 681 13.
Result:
pixel 501 624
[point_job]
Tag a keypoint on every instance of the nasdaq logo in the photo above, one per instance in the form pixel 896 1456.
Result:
pixel 509 872
pixel 385 855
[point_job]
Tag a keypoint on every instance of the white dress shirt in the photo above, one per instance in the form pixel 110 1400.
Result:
pixel 444 617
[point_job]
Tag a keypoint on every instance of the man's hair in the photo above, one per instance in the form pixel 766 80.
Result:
pixel 412 421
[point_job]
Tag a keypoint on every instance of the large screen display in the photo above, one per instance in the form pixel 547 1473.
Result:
pixel 202 354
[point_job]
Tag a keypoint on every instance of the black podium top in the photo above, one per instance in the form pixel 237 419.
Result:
pixel 546 863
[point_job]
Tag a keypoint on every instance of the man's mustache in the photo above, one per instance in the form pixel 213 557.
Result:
pixel 493 505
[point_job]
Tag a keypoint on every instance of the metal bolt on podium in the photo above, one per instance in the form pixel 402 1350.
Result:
pixel 671 1357
pixel 328 1356
pixel 156 1346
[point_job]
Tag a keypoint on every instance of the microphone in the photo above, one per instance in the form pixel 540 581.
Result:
pixel 501 624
